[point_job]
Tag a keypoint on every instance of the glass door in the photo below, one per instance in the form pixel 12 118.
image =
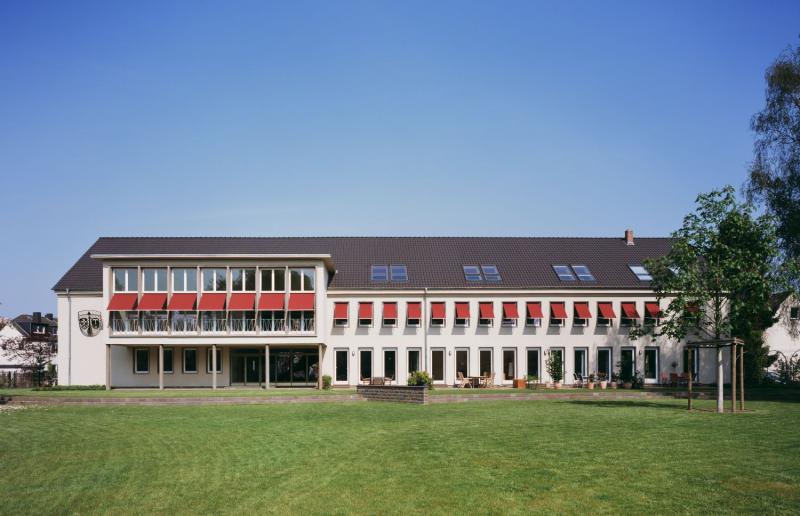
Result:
pixel 252 370
pixel 533 363
pixel 462 362
pixel 389 364
pixel 604 363
pixel 650 365
pixel 485 359
pixel 580 362
pixel 509 363
pixel 437 365
pixel 413 360
pixel 627 364
pixel 365 364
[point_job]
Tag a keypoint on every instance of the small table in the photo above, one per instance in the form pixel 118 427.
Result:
pixel 477 381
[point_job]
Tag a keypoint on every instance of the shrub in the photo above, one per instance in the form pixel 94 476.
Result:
pixel 326 382
pixel 420 378
pixel 555 366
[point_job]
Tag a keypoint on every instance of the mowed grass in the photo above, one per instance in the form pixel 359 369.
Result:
pixel 566 456
pixel 175 393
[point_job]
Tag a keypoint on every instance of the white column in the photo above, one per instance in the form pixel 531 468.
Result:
pixel 266 366
pixel 213 366
pixel 720 378
pixel 319 367
pixel 108 367
pixel 161 366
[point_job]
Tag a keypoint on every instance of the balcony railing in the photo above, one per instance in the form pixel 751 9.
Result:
pixel 243 325
pixel 125 325
pixel 272 325
pixel 184 325
pixel 305 324
pixel 154 325
pixel 215 325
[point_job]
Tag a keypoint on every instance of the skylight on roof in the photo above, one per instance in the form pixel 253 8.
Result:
pixel 472 273
pixel 490 273
pixel 564 273
pixel 641 273
pixel 398 273
pixel 583 273
pixel 380 273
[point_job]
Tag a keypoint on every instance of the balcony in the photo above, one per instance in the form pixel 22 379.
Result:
pixel 187 325
pixel 199 325
pixel 303 325
pixel 243 325
pixel 272 325
pixel 123 326
pixel 215 325
pixel 154 325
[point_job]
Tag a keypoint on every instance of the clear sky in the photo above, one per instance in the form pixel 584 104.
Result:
pixel 366 118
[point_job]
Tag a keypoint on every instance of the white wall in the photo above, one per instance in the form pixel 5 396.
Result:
pixel 783 335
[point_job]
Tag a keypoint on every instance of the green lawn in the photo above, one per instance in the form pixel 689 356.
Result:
pixel 569 456
pixel 173 393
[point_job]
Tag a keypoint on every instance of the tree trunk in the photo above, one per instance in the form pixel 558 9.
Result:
pixel 720 377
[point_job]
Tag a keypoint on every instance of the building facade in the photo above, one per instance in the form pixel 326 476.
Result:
pixel 33 326
pixel 275 312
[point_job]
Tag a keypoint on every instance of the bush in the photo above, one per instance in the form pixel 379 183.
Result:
pixel 326 382
pixel 420 378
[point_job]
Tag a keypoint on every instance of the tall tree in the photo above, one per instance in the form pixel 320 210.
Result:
pixel 718 278
pixel 775 171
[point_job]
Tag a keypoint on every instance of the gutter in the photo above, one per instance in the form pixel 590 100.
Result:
pixel 69 339
pixel 425 327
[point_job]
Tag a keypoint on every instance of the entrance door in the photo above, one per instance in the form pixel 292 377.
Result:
pixel 604 363
pixel 580 362
pixel 651 365
pixel 252 373
pixel 437 365
pixel 462 362
pixel 509 363
pixel 627 359
pixel 365 364
pixel 389 364
pixel 533 363
pixel 294 367
pixel 247 367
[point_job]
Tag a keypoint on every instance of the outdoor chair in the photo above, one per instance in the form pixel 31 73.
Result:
pixel 377 381
pixel 577 380
pixel 489 381
pixel 462 382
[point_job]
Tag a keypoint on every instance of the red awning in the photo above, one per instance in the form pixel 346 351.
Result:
pixel 340 310
pixel 582 309
pixel 606 310
pixel 271 301
pixel 629 310
pixel 365 310
pixel 153 301
pixel 510 310
pixel 301 301
pixel 212 302
pixel 123 302
pixel 535 310
pixel 462 311
pixel 438 311
pixel 185 302
pixel 653 310
pixel 557 310
pixel 414 310
pixel 390 310
pixel 486 310
pixel 242 301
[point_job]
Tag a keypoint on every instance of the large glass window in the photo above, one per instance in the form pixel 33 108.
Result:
pixel 168 368
pixel 209 363
pixel 437 365
pixel 273 280
pixel 302 280
pixel 155 280
pixel 125 280
pixel 509 363
pixel 189 360
pixel 413 360
pixel 341 365
pixel 243 280
pixel 604 363
pixel 462 362
pixel 485 362
pixel 184 280
pixel 365 364
pixel 215 280
pixel 533 363
pixel 390 364
pixel 580 362
pixel 125 322
pixel 141 361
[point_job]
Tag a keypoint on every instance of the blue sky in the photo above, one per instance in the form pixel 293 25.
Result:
pixel 366 118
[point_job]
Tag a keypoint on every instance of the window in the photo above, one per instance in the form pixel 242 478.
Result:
pixel 472 273
pixel 564 273
pixel 509 364
pixel 641 273
pixel 141 361
pixel 340 314
pixel 652 314
pixel 302 280
pixel 583 273
pixel 365 314
pixel 794 313
pixel 273 280
pixel 510 314
pixel 189 360
pixel 214 280
pixel 341 365
pixel 533 362
pixel 413 314
pixel 534 314
pixel 462 362
pixel 581 313
pixel 490 273
pixel 580 361
pixel 605 313
pixel 184 280
pixel 437 314
pixel 630 316
pixel 413 360
pixel 214 321
pixel 695 362
pixel 365 364
pixel 437 365
pixel 379 273
pixel 485 362
pixel 558 313
pixel 155 280
pixel 399 273
pixel 125 280
pixel 462 314
pixel 168 368
pixel 38 328
pixel 209 361
pixel 389 314
pixel 390 364
pixel 604 363
pixel 485 313
pixel 243 280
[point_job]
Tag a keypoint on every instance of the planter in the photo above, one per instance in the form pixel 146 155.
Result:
pixel 627 385
pixel 614 385
pixel 519 383
pixel 556 385
pixel 590 386
pixel 603 384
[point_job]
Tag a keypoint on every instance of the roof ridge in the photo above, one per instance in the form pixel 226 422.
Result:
pixel 365 237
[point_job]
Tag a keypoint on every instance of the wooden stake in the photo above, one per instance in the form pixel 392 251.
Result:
pixel 741 378
pixel 734 374
pixel 690 378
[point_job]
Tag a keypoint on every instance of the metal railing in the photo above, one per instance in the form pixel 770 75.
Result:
pixel 272 325
pixel 125 325
pixel 154 325
pixel 305 324
pixel 215 325
pixel 188 325
pixel 243 325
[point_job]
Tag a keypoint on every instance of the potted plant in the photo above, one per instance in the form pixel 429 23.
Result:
pixel 625 375
pixel 603 380
pixel 519 383
pixel 590 383
pixel 555 368
pixel 614 380
pixel 637 381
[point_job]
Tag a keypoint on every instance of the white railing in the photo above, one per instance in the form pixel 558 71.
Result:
pixel 272 325
pixel 305 324
pixel 184 325
pixel 215 325
pixel 243 325
pixel 125 325
pixel 154 325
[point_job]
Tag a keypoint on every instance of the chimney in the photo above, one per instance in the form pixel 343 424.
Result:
pixel 48 316
pixel 37 316
pixel 629 236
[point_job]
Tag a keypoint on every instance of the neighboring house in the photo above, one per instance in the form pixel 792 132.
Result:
pixel 25 326
pixel 150 312
pixel 783 337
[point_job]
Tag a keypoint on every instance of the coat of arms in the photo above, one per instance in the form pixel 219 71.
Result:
pixel 90 322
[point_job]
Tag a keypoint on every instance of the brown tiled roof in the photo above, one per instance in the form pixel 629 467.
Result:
pixel 433 262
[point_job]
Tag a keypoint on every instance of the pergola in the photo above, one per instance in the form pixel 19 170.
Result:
pixel 736 346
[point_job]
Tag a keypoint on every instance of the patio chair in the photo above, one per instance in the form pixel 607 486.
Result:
pixel 462 382
pixel 577 380
pixel 489 381
pixel 377 380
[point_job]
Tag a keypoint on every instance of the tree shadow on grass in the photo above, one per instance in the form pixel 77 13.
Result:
pixel 627 404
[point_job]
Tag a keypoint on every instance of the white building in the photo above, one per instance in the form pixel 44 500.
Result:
pixel 280 311
pixel 783 338
pixel 35 326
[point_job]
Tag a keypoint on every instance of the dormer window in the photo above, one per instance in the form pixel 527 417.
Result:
pixel 379 273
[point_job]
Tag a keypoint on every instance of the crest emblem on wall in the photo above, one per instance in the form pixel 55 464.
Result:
pixel 90 322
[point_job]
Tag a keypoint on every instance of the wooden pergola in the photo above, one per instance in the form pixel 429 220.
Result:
pixel 736 346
